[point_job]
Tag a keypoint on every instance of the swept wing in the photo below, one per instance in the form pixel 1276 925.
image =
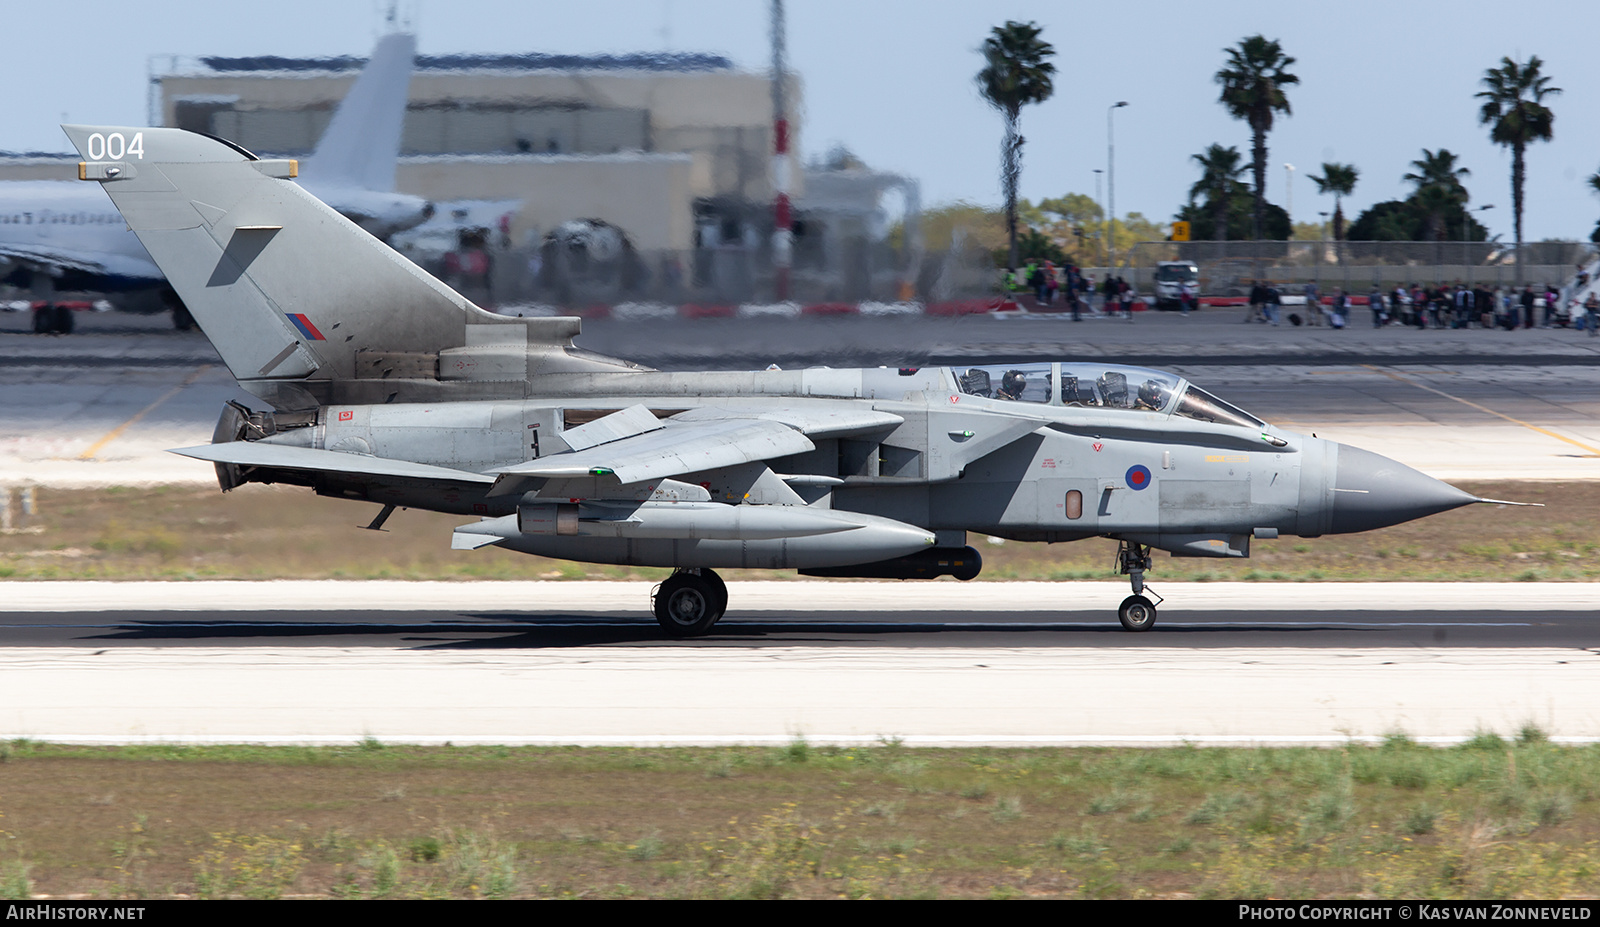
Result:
pixel 672 450
pixel 634 446
pixel 317 460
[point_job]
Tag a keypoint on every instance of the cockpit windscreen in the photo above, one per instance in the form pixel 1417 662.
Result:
pixel 1201 405
pixel 1117 388
pixel 1017 382
pixel 1103 386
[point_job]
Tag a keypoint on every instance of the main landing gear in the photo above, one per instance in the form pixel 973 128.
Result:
pixel 689 602
pixel 1137 613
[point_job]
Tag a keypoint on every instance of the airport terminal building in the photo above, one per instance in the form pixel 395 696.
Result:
pixel 669 154
pixel 655 144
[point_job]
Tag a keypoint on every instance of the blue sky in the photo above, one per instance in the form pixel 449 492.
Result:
pixel 892 80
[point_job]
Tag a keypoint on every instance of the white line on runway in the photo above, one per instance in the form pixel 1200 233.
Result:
pixel 556 597
pixel 732 624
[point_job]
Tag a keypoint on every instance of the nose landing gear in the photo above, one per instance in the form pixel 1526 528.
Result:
pixel 1137 613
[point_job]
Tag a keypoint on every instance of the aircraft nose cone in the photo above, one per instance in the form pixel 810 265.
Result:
pixel 1372 491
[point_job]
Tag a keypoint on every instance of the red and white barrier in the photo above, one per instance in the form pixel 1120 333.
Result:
pixel 1000 306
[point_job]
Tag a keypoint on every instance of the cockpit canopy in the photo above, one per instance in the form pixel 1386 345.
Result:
pixel 1101 386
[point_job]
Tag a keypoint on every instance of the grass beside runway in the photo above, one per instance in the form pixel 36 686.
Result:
pixel 1491 818
pixel 260 532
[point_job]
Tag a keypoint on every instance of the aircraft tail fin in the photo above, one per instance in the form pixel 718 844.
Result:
pixel 288 290
pixel 361 145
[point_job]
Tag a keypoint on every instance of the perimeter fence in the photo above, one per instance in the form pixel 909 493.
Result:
pixel 1229 266
pixel 724 275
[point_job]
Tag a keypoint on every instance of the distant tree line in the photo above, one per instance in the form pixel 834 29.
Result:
pixel 1223 204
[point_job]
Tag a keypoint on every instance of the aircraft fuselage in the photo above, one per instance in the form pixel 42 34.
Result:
pixel 951 461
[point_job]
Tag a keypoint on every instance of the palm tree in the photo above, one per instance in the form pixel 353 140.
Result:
pixel 1513 108
pixel 1594 184
pixel 1016 72
pixel 1439 189
pixel 1252 90
pixel 1219 182
pixel 1340 180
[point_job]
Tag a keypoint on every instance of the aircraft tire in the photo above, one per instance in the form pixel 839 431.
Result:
pixel 44 320
pixel 1137 613
pixel 686 605
pixel 719 588
pixel 64 320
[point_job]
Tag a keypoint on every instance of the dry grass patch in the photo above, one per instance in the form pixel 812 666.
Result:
pixel 1493 818
pixel 261 532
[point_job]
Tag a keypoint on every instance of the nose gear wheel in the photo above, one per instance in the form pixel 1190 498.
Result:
pixel 1137 613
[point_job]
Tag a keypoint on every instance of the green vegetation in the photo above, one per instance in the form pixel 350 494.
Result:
pixel 1237 210
pixel 1490 818
pixel 1339 180
pixel 1514 110
pixel 1221 182
pixel 1436 210
pixel 1016 72
pixel 1227 210
pixel 1253 83
pixel 1594 185
pixel 1221 206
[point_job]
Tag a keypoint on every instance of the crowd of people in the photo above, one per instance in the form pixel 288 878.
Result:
pixel 1074 289
pixel 1457 306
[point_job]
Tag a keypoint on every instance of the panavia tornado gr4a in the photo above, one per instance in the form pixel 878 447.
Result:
pixel 387 386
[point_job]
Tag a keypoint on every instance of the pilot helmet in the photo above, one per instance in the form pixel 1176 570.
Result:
pixel 1152 394
pixel 1013 382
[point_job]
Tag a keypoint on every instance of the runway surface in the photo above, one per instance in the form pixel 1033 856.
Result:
pixel 834 662
pixel 939 663
pixel 87 427
pixel 101 407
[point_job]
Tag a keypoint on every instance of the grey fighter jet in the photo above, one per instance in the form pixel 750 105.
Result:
pixel 387 386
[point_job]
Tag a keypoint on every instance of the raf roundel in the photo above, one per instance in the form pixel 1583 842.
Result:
pixel 1138 476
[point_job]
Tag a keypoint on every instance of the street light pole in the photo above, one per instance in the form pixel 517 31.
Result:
pixel 1288 186
pixel 1322 249
pixel 1100 201
pixel 1466 237
pixel 1111 179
